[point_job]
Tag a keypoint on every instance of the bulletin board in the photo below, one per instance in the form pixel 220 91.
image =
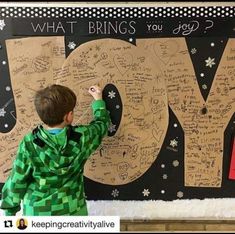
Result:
pixel 168 75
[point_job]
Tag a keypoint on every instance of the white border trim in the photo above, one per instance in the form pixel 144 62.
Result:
pixel 194 209
pixel 207 209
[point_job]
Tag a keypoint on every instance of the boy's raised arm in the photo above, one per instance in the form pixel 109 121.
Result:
pixel 98 127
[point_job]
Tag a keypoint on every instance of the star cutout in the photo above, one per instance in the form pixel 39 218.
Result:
pixel 210 62
pixel 111 94
pixel 112 128
pixel 174 143
pixel 146 192
pixel 2 112
pixel 71 45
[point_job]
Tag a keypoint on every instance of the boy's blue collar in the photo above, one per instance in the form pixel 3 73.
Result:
pixel 54 131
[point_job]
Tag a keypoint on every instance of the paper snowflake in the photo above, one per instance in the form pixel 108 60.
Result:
pixel 175 163
pixel 210 62
pixel 2 112
pixel 204 86
pixel 2 24
pixel 146 192
pixel 115 193
pixel 71 45
pixel 174 143
pixel 112 128
pixel 112 94
pixel 165 176
pixel 193 51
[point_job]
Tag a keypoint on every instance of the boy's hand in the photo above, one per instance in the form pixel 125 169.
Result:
pixel 96 92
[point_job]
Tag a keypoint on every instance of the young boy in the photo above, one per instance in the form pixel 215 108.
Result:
pixel 48 171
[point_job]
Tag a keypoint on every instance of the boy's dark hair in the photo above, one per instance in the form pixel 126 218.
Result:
pixel 53 103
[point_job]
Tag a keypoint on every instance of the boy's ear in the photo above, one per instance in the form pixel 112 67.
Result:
pixel 68 118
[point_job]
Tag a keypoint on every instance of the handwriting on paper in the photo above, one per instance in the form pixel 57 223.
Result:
pixel 30 70
pixel 203 122
pixel 128 152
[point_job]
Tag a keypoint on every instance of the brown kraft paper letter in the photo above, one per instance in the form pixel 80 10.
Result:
pixel 128 154
pixel 34 63
pixel 203 122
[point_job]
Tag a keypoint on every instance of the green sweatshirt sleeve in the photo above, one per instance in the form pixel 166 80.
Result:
pixel 93 133
pixel 16 185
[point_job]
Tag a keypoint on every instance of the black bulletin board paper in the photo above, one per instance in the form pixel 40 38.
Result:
pixel 206 31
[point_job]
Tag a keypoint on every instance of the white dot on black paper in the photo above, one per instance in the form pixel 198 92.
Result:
pixel 8 88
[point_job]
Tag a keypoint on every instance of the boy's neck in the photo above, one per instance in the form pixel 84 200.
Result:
pixel 62 125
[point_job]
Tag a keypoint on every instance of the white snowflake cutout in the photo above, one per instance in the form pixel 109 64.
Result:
pixel 2 112
pixel 175 163
pixel 164 176
pixel 210 62
pixel 173 143
pixel 146 192
pixel 115 193
pixel 111 94
pixel 112 128
pixel 2 24
pixel 72 45
pixel 193 51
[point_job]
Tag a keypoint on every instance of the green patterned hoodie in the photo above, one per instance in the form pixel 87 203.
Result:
pixel 47 173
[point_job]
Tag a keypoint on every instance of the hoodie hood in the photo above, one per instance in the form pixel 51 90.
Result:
pixel 57 153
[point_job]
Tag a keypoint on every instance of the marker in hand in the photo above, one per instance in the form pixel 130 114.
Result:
pixel 96 92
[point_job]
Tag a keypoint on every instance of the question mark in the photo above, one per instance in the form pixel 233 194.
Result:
pixel 210 26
